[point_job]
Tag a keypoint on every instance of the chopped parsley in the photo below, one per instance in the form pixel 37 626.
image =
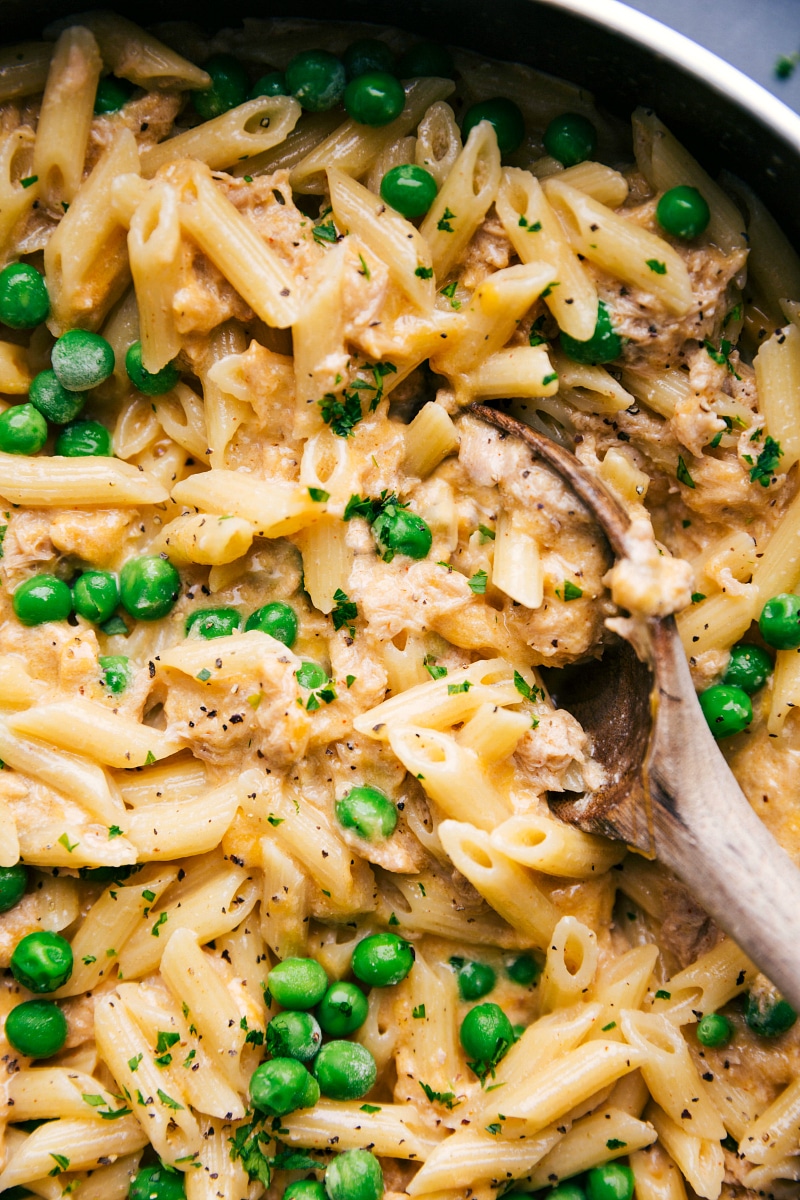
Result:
pixel 784 66
pixel 424 272
pixel 477 583
pixel 324 233
pixel 536 338
pixel 350 680
pixel 364 268
pixel 115 625
pixel 487 534
pixel 610 1025
pixel 662 995
pixel 114 831
pixel 319 495
pixel 430 665
pixel 721 356
pixel 275 821
pixel 453 689
pixel 342 413
pixel 529 690
pixel 203 675
pixel 344 611
pixel 29 181
pixel 65 842
pixel 133 1063
pixel 766 464
pixel 494 1128
pixel 61 1161
pixel 733 314
pixel 443 224
pixel 615 1144
pixel 362 506
pixel 682 473
pixel 570 591
pixel 150 758
pixel 165 1039
pixel 659 268
pixel 88 959
pixel 449 292
pixel 162 920
pixel 531 226
pixel 448 1099
pixel 419 1012
pixel 370 1108
pixel 168 1100
pixel 551 378
pixel 697 597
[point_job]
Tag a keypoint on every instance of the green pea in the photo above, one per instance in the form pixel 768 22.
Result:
pixel 36 1028
pixel 409 189
pixel 343 1009
pixel 42 598
pixel 158 1181
pixel 398 531
pixel 426 58
pixel 149 587
pixel 354 1175
pixel 277 619
pixel 345 1070
pixel 213 622
pixel 767 1014
pixel 311 675
pixel 42 961
pixel 475 979
pixel 317 79
pixel 305 1189
pixel 82 360
pixel 376 98
pixel 84 439
pixel 749 667
pixel 726 709
pixel 53 400
pixel 228 87
pixel 486 1033
pixel 365 55
pixel 382 959
pixel 24 302
pixel 611 1181
pixel 95 595
pixel 112 94
pixel 117 672
pixel 281 1086
pixel 603 346
pixel 683 212
pixel 779 622
pixel 13 881
pixel 571 138
pixel 298 983
pixel 294 1035
pixel 505 117
pixel 368 812
pixel 271 84
pixel 152 383
pixel 714 1030
pixel 523 969
pixel 23 430
pixel 564 1191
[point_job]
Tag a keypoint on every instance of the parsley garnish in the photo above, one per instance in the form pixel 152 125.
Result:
pixel 615 1144
pixel 114 625
pixel 448 1099
pixel 766 463
pixel 487 535
pixel 785 65
pixel 324 233
pixel 435 672
pixel 494 1128
pixel 65 842
pixel 529 690
pixel 364 268
pixel 161 921
pixel 319 494
pixel 62 1163
pixel 536 338
pixel 29 181
pixel 419 1012
pixel 362 506
pixel 342 413
pixel 477 583
pixel 345 611
pixel 166 1038
pixel 551 378
pixel 444 223
pixel 682 473
pixel 453 689
pixel 733 314
pixel 133 1063
pixel 660 268
pixel 721 356
pixel 424 272
pixel 449 291
pixel 610 1025
pixel 662 995
pixel 697 597
pixel 571 591
pixel 88 959
pixel 114 831
pixel 168 1101
pixel 350 680
pixel 370 1108
pixel 531 226
pixel 275 821
pixel 203 675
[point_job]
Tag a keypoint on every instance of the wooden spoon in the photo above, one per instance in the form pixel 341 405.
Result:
pixel 669 791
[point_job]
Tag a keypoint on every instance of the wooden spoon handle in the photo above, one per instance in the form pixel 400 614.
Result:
pixel 707 833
